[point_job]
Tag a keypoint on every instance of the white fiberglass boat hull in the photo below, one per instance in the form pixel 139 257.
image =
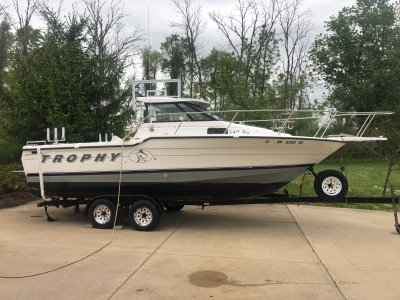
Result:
pixel 215 165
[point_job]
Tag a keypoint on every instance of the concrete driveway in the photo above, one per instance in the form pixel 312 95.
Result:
pixel 227 252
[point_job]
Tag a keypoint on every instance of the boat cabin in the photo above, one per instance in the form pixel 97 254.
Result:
pixel 168 109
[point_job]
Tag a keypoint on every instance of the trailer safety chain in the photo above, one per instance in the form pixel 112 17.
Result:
pixel 311 170
pixel 50 219
pixel 301 192
pixel 342 166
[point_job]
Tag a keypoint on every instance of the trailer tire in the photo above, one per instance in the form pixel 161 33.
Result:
pixel 102 214
pixel 144 215
pixel 331 185
pixel 171 207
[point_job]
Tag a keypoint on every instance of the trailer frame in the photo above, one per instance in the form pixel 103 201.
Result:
pixel 127 200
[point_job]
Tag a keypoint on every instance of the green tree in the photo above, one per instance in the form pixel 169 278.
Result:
pixel 151 63
pixel 16 41
pixel 390 149
pixel 72 74
pixel 192 27
pixel 225 85
pixel 358 57
pixel 174 58
pixel 5 49
pixel 250 34
pixel 359 60
pixel 294 79
pixel 48 88
pixel 112 53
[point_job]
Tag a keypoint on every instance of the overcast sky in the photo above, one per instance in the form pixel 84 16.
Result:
pixel 162 13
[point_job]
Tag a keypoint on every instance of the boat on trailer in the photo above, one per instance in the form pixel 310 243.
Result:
pixel 179 149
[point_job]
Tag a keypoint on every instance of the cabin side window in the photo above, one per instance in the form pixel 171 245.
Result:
pixel 164 112
pixel 175 112
pixel 196 113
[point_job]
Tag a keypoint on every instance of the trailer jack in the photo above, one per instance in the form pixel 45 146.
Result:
pixel 46 205
pixel 49 219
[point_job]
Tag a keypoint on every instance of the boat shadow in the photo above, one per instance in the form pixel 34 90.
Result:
pixel 193 217
pixel 189 219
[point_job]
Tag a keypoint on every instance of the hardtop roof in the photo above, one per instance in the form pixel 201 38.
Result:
pixel 159 99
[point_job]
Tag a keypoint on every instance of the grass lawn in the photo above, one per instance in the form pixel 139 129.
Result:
pixel 366 178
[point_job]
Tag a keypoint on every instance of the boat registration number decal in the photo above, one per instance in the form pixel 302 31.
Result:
pixel 290 142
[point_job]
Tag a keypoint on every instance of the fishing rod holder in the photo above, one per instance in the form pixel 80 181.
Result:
pixel 55 139
pixel 105 137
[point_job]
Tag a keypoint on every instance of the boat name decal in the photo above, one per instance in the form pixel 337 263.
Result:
pixel 140 156
pixel 100 157
pixel 238 131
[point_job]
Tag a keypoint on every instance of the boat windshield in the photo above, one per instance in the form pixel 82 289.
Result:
pixel 176 112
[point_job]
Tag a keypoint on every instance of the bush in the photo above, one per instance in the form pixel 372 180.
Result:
pixel 11 182
pixel 10 149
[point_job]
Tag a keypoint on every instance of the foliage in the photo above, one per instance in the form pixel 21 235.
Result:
pixel 225 85
pixel 11 182
pixel 151 63
pixel 47 88
pixel 366 177
pixel 250 34
pixel 293 80
pixel 174 58
pixel 5 48
pixel 191 26
pixel 9 149
pixel 359 60
pixel 70 74
pixel 390 149
pixel 358 57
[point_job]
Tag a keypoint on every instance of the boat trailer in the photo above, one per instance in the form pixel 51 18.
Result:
pixel 208 201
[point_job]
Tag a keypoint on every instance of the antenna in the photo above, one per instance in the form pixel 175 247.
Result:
pixel 148 26
pixel 147 76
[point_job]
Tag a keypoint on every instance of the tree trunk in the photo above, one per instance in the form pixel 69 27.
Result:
pixel 389 170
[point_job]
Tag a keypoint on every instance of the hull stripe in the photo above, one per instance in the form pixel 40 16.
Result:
pixel 169 170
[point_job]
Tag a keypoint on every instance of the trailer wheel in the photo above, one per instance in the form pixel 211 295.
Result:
pixel 171 207
pixel 102 214
pixel 144 215
pixel 331 185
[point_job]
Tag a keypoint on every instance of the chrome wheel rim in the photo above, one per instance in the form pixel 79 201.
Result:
pixel 143 216
pixel 102 214
pixel 331 186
